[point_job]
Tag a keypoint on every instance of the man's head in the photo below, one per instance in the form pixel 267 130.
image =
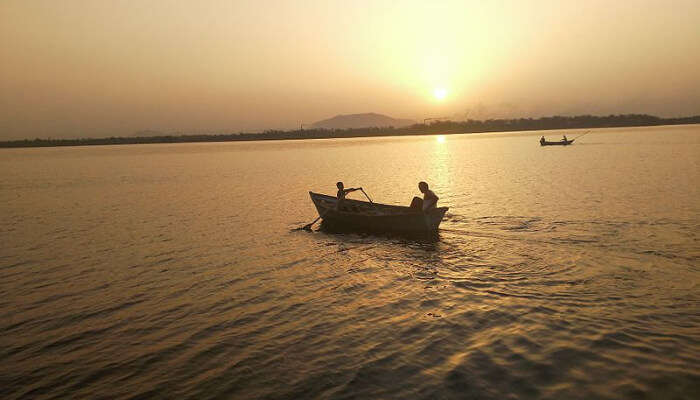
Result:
pixel 340 185
pixel 423 187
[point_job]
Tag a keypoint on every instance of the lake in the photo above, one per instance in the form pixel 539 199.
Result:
pixel 172 271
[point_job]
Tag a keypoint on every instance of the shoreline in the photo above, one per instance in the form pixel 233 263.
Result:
pixel 436 128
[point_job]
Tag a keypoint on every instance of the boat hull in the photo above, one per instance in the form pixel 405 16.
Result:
pixel 358 215
pixel 559 143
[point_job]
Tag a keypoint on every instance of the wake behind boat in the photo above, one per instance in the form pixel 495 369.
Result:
pixel 373 217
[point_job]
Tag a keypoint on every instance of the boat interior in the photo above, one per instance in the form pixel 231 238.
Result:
pixel 361 207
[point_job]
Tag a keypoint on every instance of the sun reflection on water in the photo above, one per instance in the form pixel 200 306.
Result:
pixel 441 169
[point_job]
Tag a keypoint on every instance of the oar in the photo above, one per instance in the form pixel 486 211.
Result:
pixel 367 196
pixel 370 200
pixel 307 227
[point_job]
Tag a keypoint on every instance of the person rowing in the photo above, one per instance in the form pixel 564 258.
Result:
pixel 341 194
pixel 429 200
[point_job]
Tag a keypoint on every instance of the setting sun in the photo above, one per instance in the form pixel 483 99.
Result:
pixel 440 93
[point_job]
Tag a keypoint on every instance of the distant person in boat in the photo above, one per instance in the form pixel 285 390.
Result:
pixel 429 200
pixel 341 194
pixel 542 140
pixel 564 138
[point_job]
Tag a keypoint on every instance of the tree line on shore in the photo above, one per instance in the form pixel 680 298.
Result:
pixel 435 127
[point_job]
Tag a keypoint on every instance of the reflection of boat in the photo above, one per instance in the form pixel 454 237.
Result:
pixel 558 143
pixel 373 217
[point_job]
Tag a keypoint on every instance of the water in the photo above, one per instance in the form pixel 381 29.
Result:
pixel 170 271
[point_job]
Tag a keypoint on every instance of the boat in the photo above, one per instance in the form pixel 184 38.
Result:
pixel 557 143
pixel 356 215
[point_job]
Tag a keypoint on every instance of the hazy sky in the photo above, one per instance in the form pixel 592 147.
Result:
pixel 97 68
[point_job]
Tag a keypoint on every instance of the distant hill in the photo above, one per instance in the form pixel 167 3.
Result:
pixel 353 121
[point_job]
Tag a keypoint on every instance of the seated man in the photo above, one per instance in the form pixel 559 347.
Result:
pixel 429 200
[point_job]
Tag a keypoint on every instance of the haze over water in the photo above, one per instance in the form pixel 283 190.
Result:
pixel 170 271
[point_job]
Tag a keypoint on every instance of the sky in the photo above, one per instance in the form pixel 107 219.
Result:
pixel 77 68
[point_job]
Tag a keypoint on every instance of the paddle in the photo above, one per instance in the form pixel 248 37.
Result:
pixel 367 196
pixel 307 227
pixel 370 200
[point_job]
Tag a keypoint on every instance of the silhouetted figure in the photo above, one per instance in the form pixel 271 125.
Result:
pixel 429 200
pixel 564 138
pixel 542 140
pixel 341 194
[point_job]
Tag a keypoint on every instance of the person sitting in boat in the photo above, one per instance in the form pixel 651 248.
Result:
pixel 341 194
pixel 542 140
pixel 429 200
pixel 564 139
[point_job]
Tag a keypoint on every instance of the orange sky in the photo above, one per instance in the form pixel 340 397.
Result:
pixel 98 68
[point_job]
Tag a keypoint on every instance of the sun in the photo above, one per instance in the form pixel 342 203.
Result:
pixel 440 93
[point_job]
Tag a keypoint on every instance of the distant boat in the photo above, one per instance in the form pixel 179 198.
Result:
pixel 557 143
pixel 373 217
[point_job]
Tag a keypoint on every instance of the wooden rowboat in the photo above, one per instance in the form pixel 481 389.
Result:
pixel 557 143
pixel 372 217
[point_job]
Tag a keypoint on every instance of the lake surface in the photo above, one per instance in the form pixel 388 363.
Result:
pixel 171 271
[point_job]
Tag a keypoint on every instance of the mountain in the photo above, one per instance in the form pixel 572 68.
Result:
pixel 361 121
